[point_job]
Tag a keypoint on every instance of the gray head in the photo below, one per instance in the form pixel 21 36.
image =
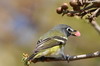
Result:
pixel 67 30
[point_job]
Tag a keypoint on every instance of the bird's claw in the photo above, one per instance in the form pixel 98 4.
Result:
pixel 68 58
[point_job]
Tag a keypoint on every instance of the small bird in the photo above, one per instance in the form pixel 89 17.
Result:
pixel 52 43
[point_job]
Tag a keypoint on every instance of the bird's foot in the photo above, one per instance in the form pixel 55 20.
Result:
pixel 64 57
pixel 68 58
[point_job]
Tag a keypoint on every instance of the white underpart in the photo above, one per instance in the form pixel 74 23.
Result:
pixel 60 51
pixel 45 52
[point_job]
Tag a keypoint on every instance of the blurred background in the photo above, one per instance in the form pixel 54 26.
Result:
pixel 22 22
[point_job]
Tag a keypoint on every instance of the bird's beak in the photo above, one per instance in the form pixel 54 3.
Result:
pixel 75 33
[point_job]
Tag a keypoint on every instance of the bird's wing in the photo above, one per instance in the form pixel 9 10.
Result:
pixel 50 42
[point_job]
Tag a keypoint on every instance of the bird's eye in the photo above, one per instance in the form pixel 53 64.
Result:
pixel 69 29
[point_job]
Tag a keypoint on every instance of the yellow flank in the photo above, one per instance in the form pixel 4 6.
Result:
pixel 48 52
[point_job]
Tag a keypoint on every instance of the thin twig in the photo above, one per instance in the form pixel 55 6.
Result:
pixel 85 56
pixel 95 1
pixel 93 22
pixel 95 25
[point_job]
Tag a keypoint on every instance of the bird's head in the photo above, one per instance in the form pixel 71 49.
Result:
pixel 67 30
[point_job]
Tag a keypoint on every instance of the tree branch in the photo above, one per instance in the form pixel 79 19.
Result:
pixel 83 8
pixel 68 58
pixel 85 56
pixel 92 20
pixel 95 25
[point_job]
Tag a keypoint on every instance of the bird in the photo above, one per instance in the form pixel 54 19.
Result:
pixel 52 43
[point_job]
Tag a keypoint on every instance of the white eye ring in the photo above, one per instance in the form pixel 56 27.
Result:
pixel 69 29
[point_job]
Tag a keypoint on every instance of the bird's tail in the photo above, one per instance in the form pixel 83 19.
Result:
pixel 31 57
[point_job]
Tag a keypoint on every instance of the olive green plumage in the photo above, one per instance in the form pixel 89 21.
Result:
pixel 52 43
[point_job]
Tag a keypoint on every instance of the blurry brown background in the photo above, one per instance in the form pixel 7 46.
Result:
pixel 23 21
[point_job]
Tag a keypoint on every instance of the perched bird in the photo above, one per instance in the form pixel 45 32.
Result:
pixel 52 43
